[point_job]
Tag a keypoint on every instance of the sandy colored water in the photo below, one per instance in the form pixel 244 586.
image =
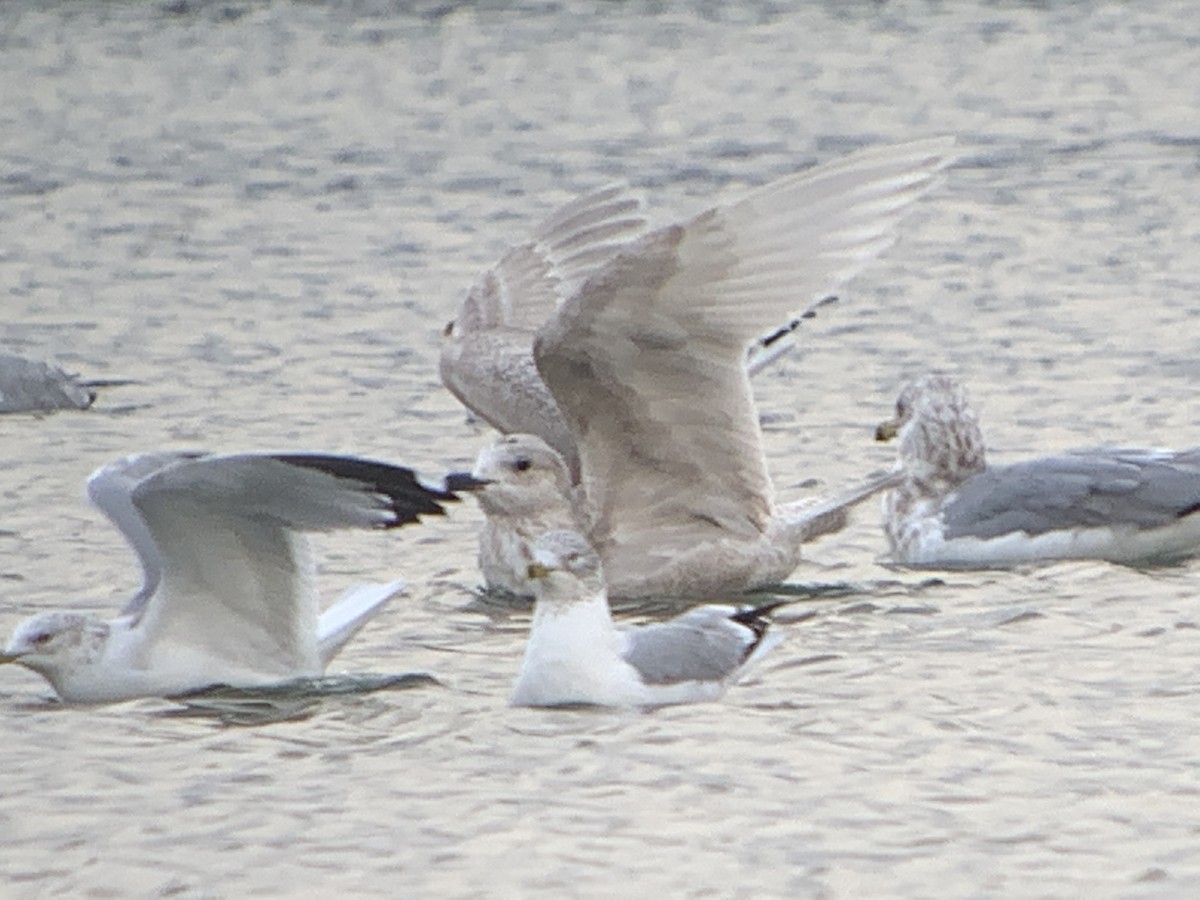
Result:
pixel 265 213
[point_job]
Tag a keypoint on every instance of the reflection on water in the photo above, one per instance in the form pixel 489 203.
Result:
pixel 263 214
pixel 290 702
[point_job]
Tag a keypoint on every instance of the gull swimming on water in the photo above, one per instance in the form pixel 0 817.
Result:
pixel 227 595
pixel 953 509
pixel 28 385
pixel 646 362
pixel 576 654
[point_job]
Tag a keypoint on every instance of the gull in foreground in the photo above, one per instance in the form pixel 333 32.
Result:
pixel 576 654
pixel 645 360
pixel 952 509
pixel 228 594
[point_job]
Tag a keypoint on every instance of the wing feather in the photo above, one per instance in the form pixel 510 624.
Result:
pixel 1084 489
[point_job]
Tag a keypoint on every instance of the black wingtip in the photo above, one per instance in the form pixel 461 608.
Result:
pixel 757 618
pixel 409 498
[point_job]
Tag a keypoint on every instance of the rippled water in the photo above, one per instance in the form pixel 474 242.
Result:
pixel 264 213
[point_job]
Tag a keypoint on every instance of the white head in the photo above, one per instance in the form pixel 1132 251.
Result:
pixel 940 439
pixel 57 645
pixel 565 567
pixel 525 477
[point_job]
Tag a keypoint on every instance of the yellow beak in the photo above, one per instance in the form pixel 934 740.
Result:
pixel 887 430
pixel 537 570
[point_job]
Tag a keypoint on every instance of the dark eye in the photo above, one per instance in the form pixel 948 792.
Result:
pixel 40 639
pixel 522 464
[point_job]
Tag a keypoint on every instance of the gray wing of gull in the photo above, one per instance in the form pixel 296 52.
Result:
pixel 647 360
pixel 1085 489
pixel 28 385
pixel 486 360
pixel 110 488
pixel 236 579
pixel 704 644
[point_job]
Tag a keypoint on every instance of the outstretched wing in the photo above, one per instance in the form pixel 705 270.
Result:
pixel 647 360
pixel 236 580
pixel 1085 489
pixel 486 359
pixel 110 488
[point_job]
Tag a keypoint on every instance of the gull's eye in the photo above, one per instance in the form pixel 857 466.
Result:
pixel 41 639
pixel 523 464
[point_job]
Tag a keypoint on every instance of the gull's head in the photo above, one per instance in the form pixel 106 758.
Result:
pixel 939 433
pixel 55 644
pixel 562 560
pixel 524 476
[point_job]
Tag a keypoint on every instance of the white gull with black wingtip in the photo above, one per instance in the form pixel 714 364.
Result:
pixel 228 593
pixel 577 655
pixel 953 509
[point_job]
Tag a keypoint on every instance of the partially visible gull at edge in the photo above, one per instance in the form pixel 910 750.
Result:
pixel 28 385
pixel 954 510
pixel 577 655
pixel 228 592
pixel 646 363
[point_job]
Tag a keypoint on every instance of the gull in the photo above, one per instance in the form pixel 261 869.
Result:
pixel 27 385
pixel 953 509
pixel 227 594
pixel 576 654
pixel 645 360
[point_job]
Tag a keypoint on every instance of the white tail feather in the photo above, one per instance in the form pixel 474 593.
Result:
pixel 357 606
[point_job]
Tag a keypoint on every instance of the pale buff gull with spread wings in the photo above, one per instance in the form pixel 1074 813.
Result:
pixel 646 361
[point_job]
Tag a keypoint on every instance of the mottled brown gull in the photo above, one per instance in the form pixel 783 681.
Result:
pixel 953 509
pixel 228 596
pixel 576 654
pixel 646 362
pixel 487 355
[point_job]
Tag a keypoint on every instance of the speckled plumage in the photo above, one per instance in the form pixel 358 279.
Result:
pixel 953 509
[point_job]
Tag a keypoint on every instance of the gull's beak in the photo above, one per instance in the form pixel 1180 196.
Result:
pixel 464 481
pixel 449 329
pixel 537 570
pixel 887 430
pixel 10 658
